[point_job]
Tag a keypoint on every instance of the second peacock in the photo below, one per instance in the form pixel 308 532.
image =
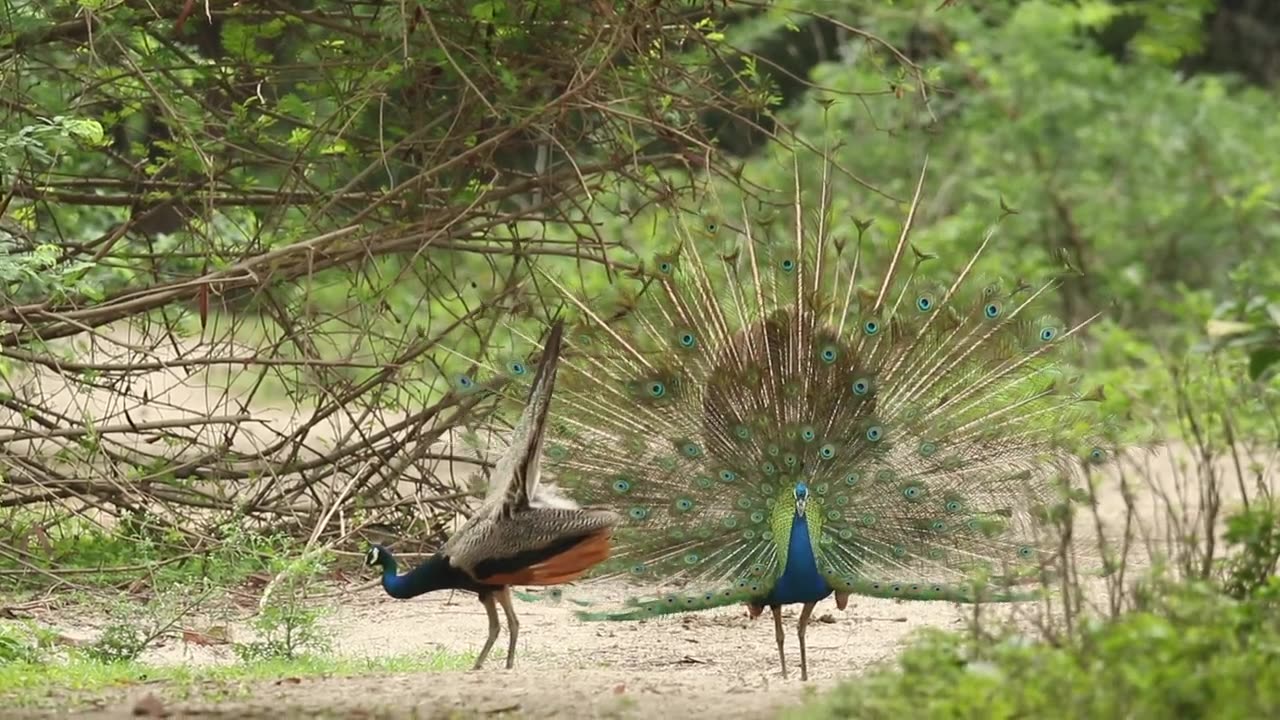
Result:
pixel 777 421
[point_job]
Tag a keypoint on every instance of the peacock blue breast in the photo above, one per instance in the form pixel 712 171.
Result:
pixel 800 581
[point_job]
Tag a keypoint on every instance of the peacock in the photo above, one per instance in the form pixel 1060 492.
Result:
pixel 779 419
pixel 523 534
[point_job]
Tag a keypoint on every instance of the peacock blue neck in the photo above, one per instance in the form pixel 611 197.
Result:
pixel 434 574
pixel 800 581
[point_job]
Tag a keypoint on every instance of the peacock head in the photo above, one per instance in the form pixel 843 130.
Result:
pixel 375 556
pixel 802 498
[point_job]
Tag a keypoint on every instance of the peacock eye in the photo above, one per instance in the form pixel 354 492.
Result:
pixel 657 389
pixel 517 368
pixel 1048 334
pixel 664 267
pixel 828 355
pixel 925 304
pixel 788 265
pixel 861 387
pixel 687 340
pixel 871 327
pixel 992 310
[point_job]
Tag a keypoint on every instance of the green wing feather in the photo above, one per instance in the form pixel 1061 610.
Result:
pixel 932 416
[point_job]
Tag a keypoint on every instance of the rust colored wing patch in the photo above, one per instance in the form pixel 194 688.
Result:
pixel 562 567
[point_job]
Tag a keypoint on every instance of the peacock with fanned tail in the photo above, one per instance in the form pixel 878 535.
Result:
pixel 777 423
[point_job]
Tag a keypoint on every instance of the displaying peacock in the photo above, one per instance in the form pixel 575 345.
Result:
pixel 523 534
pixel 777 420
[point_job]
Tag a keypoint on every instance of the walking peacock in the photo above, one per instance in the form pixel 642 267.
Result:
pixel 776 422
pixel 523 534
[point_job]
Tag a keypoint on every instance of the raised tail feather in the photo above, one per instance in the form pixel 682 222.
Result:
pixel 932 415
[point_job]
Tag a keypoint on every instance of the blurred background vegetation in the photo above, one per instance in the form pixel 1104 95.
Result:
pixel 247 249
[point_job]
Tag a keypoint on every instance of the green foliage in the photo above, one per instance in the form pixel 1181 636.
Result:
pixel 1184 391
pixel 1250 323
pixel 288 622
pixel 132 628
pixel 1252 572
pixel 79 681
pixel 120 641
pixel 1200 663
pixel 1148 182
pixel 24 642
pixel 108 556
pixel 276 115
pixel 1168 32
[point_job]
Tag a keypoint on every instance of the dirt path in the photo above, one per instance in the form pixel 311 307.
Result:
pixel 716 664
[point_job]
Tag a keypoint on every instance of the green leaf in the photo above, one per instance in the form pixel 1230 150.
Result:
pixel 485 11
pixel 1261 360
pixel 86 130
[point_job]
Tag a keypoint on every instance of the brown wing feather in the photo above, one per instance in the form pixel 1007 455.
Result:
pixel 561 568
pixel 489 535
pixel 524 458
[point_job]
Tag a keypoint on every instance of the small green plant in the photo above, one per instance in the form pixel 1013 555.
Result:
pixel 1255 532
pixel 1251 324
pixel 24 643
pixel 288 623
pixel 119 642
pixel 132 629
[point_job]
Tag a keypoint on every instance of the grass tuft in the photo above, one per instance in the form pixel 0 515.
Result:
pixel 78 681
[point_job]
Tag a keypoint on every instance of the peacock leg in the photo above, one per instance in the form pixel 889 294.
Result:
pixel 513 625
pixel 776 610
pixel 492 609
pixel 804 622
